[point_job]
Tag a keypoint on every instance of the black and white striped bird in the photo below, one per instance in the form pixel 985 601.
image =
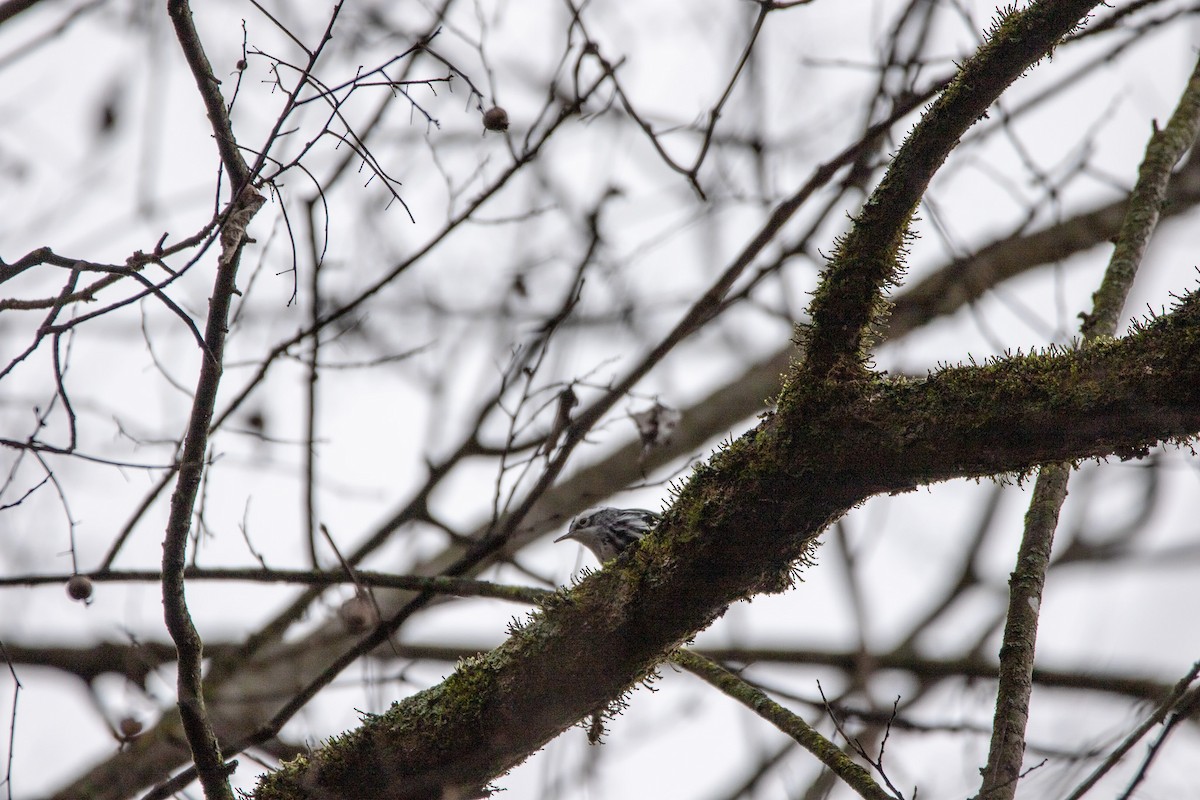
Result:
pixel 607 531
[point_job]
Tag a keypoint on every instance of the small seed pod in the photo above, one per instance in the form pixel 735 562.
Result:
pixel 495 119
pixel 358 614
pixel 129 727
pixel 79 587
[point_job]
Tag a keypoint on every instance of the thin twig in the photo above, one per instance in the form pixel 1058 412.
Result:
pixel 829 754
pixel 1160 713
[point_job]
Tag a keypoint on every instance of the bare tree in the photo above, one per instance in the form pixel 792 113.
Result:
pixel 346 309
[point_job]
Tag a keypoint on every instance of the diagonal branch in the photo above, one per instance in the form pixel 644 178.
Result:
pixel 737 529
pixel 867 260
pixel 207 83
pixel 1178 697
pixel 855 776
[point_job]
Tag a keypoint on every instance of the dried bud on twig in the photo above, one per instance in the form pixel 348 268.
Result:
pixel 562 418
pixel 495 119
pixel 80 588
pixel 358 614
pixel 656 425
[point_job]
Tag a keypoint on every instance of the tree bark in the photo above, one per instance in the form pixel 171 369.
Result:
pixel 741 527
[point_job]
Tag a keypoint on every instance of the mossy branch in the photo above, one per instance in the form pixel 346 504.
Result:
pixel 739 527
pixel 849 299
pixel 1146 203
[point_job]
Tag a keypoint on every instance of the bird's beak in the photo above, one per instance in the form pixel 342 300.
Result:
pixel 574 534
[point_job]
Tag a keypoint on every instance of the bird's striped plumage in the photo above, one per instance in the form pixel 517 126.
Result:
pixel 607 531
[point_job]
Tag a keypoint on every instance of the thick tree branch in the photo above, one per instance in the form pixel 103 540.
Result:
pixel 867 260
pixel 738 528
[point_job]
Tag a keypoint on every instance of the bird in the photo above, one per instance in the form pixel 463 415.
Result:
pixel 608 531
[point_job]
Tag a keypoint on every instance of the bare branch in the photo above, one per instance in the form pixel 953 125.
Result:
pixel 809 738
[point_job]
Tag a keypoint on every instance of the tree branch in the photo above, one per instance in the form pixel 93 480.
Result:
pixel 867 260
pixel 206 750
pixel 805 735
pixel 737 529
pixel 208 85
